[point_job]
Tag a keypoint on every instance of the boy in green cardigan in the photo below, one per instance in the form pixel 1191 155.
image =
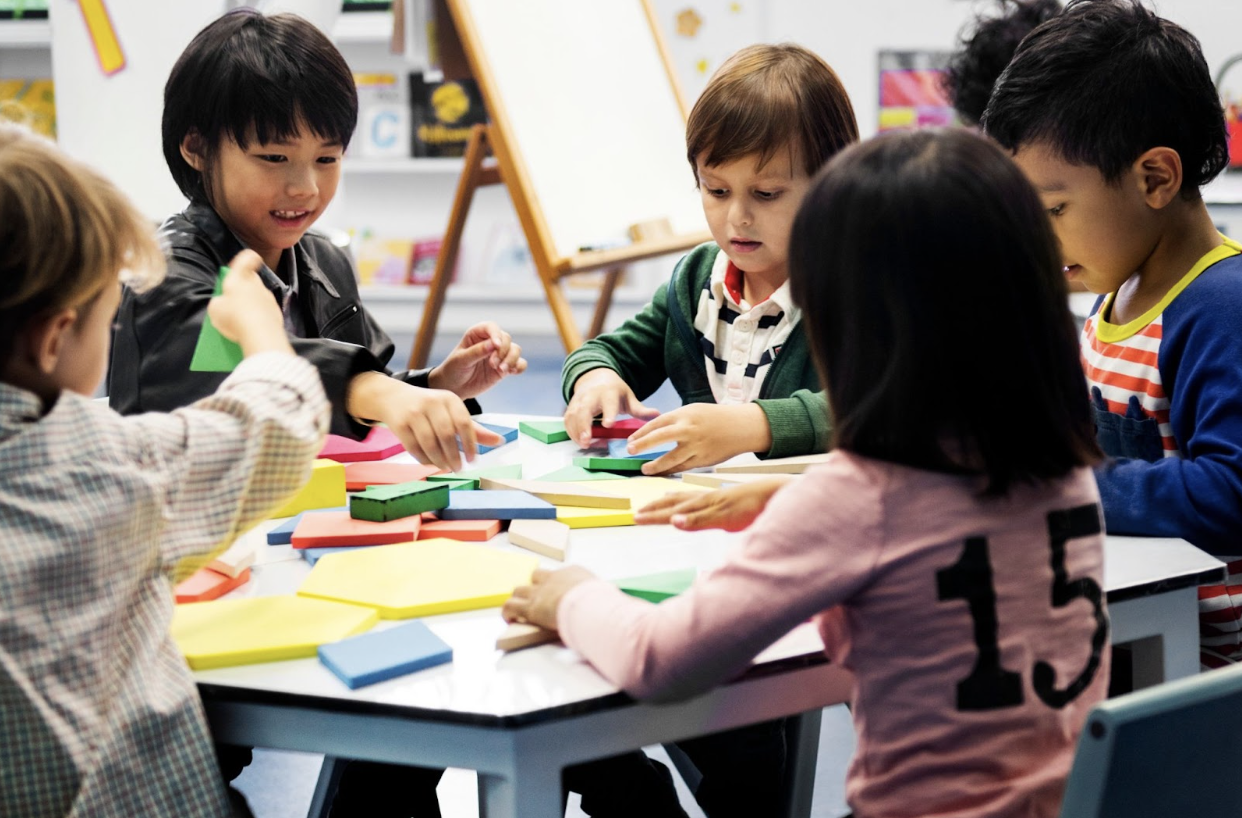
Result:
pixel 724 328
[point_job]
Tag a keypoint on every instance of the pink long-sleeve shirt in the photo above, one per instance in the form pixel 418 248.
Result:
pixel 975 628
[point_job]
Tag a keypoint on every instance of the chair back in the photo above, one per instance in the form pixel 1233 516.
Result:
pixel 1170 750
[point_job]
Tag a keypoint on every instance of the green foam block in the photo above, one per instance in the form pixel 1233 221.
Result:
pixel 545 431
pixel 510 472
pixel 609 463
pixel 577 474
pixel 214 352
pixel 379 504
pixel 658 587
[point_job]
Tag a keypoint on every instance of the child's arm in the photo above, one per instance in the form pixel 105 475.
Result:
pixel 224 463
pixel 815 546
pixel 732 509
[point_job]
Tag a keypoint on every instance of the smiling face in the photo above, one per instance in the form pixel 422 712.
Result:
pixel 1107 232
pixel 750 209
pixel 270 194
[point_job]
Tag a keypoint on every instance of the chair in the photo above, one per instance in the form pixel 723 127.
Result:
pixel 1165 752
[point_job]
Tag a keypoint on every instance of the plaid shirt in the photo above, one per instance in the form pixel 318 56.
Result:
pixel 99 715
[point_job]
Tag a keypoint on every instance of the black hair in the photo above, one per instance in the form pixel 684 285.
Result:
pixel 248 76
pixel 931 289
pixel 985 48
pixel 1105 81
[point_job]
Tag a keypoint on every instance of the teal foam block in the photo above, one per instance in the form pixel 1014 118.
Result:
pixel 658 587
pixel 385 654
pixel 616 449
pixel 283 533
pixel 497 505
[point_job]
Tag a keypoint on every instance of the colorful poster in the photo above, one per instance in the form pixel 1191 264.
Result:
pixel 911 93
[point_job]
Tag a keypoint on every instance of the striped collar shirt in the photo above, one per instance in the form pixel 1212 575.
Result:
pixel 98 711
pixel 740 341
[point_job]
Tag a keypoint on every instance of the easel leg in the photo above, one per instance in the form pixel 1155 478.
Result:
pixel 561 312
pixel 472 176
pixel 611 277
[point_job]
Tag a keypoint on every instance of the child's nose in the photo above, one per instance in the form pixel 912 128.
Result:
pixel 739 211
pixel 301 183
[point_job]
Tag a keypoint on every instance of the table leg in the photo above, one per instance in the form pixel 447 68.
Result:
pixel 533 791
pixel 802 733
pixel 1173 618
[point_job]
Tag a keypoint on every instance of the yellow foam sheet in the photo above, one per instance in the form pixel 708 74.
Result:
pixel 583 517
pixel 641 490
pixel 420 579
pixel 228 632
pixel 325 489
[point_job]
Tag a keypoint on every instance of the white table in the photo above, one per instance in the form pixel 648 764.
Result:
pixel 520 718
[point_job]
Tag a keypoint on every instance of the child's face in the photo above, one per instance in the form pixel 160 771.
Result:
pixel 270 194
pixel 750 210
pixel 1106 231
pixel 84 347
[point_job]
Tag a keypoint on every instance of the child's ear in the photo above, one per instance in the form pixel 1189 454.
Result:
pixel 1159 175
pixel 192 151
pixel 45 337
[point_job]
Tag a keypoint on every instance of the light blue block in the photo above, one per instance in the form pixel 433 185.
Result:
pixel 312 555
pixel 386 654
pixel 496 505
pixel 616 448
pixel 508 433
pixel 283 533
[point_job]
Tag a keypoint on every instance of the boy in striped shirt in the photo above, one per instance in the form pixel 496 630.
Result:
pixel 1112 114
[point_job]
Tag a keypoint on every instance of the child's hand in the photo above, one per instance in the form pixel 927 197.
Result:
pixel 732 508
pixel 485 354
pixel 600 391
pixel 705 434
pixel 428 422
pixel 246 311
pixel 536 603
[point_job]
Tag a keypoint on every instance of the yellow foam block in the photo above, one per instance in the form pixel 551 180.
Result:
pixel 583 517
pixel 231 632
pixel 642 490
pixel 420 579
pixel 325 489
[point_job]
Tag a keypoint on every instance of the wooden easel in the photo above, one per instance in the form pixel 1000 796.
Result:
pixel 508 169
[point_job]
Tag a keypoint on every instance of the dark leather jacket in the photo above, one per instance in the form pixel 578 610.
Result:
pixel 156 332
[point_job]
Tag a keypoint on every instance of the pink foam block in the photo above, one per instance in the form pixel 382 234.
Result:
pixel 379 444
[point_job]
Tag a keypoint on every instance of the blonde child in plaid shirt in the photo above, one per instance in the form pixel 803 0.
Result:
pixel 98 513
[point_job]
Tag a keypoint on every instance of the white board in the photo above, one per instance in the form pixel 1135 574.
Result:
pixel 592 115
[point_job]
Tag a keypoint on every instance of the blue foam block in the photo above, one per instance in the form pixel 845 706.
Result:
pixel 508 433
pixel 616 448
pixel 381 655
pixel 312 555
pixel 496 505
pixel 283 533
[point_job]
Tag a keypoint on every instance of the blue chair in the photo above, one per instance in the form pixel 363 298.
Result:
pixel 1165 752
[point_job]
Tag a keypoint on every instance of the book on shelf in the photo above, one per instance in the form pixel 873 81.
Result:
pixel 383 130
pixel 29 102
pixel 442 114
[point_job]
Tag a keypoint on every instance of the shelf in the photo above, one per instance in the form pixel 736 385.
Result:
pixel 363 27
pixel 452 165
pixel 25 34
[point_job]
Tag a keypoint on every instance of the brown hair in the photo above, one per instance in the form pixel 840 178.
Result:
pixel 66 232
pixel 766 98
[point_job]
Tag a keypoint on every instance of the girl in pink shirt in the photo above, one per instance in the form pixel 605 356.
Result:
pixel 951 547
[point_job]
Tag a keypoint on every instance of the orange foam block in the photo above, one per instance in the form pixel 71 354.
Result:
pixel 207 584
pixel 370 473
pixel 461 530
pixel 328 528
pixel 379 444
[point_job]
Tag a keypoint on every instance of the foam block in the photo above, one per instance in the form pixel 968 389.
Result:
pixel 577 474
pixel 777 465
pixel 381 655
pixel 513 471
pixel 621 428
pixel 643 490
pixel 313 555
pixel 362 474
pixel 580 517
pixel 205 584
pixel 593 463
pixel 455 484
pixel 545 431
pixel 338 528
pixel 617 448
pixel 714 480
pixel 497 505
pixel 460 530
pixel 420 579
pixel 283 533
pixel 325 489
pixel 658 587
pixel 518 636
pixel 378 444
pixel 231 632
pixel 559 494
pixel 239 556
pixel 507 432
pixel 380 504
pixel 547 537
pixel 214 352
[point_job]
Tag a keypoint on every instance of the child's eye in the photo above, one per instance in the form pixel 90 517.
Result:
pixel 717 192
pixel 328 160
pixel 1056 211
pixel 271 157
pixel 767 195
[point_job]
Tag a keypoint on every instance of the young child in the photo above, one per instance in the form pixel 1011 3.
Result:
pixel 985 49
pixel 257 114
pixel 1111 112
pixel 97 707
pixel 723 328
pixel 935 522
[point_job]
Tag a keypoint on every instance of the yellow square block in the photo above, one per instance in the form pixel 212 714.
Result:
pixel 583 517
pixel 325 489
pixel 231 632
pixel 427 577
